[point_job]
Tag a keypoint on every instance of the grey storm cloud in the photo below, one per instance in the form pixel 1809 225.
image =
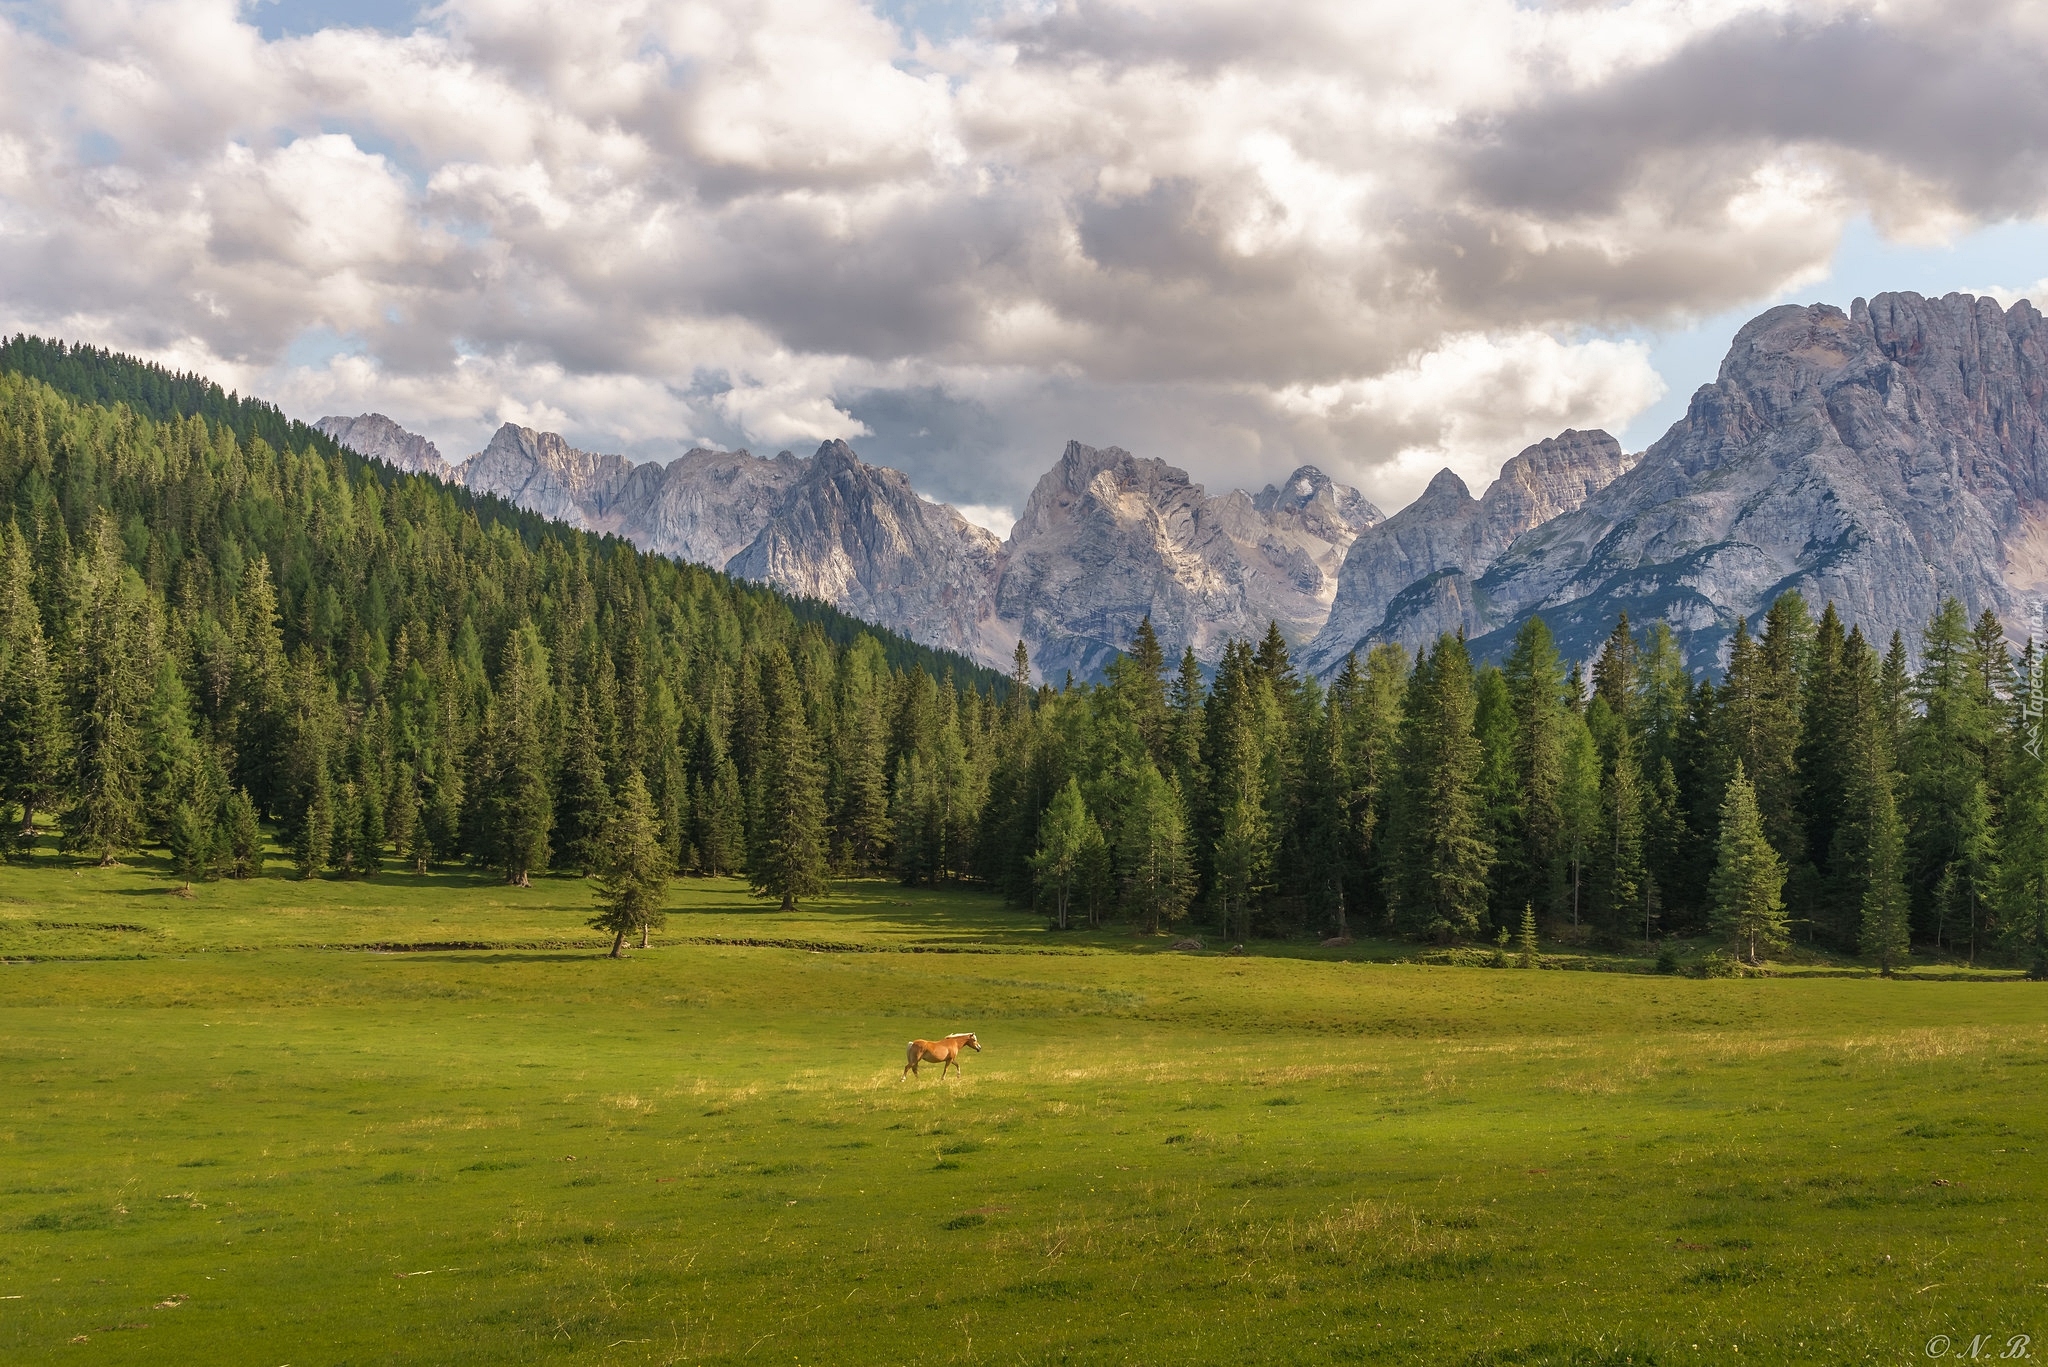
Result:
pixel 1377 236
pixel 1962 107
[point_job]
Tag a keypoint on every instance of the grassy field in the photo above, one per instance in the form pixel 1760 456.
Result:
pixel 230 1133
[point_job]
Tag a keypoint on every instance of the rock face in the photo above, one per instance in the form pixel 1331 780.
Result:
pixel 379 438
pixel 1412 576
pixel 544 474
pixel 857 536
pixel 1880 459
pixel 1108 538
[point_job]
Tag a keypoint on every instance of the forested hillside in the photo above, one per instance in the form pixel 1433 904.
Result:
pixel 202 629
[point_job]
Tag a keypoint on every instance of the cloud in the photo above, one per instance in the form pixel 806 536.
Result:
pixel 1374 236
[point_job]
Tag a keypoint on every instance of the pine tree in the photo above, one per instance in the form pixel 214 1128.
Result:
pixel 789 862
pixel 863 824
pixel 1147 678
pixel 584 809
pixel 1242 723
pixel 313 840
pixel 1533 869
pixel 1529 955
pixel 520 806
pixel 107 816
pixel 1066 838
pixel 1442 857
pixel 1496 727
pixel 1327 797
pixel 1623 891
pixel 633 873
pixel 34 744
pixel 1749 877
pixel 2023 835
pixel 1616 675
pixel 1579 829
pixel 168 751
pixel 245 837
pixel 402 817
pixel 190 839
pixel 1946 799
pixel 1152 851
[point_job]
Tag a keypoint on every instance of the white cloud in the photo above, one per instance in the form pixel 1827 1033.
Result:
pixel 1237 235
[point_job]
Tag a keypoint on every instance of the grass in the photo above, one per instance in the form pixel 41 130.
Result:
pixel 526 1152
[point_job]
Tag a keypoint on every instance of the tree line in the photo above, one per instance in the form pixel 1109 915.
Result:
pixel 203 632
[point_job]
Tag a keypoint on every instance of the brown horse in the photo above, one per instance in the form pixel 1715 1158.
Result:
pixel 940 1051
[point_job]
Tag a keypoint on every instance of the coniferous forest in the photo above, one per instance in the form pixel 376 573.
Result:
pixel 212 620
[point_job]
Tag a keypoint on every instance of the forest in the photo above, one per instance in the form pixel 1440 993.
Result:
pixel 213 620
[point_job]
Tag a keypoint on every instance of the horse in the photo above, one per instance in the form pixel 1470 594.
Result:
pixel 942 1052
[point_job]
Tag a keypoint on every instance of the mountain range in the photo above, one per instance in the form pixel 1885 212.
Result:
pixel 1880 458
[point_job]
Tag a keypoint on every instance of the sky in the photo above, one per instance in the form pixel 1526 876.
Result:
pixel 1377 237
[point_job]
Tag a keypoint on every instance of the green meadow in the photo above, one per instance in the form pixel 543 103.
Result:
pixel 427 1121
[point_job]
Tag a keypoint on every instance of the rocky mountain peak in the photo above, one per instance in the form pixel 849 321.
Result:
pixel 379 438
pixel 1447 539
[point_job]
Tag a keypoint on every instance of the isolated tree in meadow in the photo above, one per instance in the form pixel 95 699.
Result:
pixel 789 858
pixel 1528 935
pixel 1067 836
pixel 633 872
pixel 1749 878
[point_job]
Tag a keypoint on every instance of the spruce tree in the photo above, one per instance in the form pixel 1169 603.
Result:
pixel 1067 836
pixel 1500 792
pixel 1535 676
pixel 584 809
pixel 1749 878
pixel 1946 799
pixel 1242 727
pixel 168 751
pixel 1624 895
pixel 789 862
pixel 34 739
pixel 520 805
pixel 633 870
pixel 1152 852
pixel 1327 796
pixel 1616 672
pixel 106 816
pixel 1442 857
pixel 245 837
pixel 1580 825
pixel 190 840
pixel 1529 946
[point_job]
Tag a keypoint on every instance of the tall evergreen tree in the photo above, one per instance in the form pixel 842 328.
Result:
pixel 1067 837
pixel 583 797
pixel 518 805
pixel 1749 877
pixel 1242 724
pixel 1535 675
pixel 1946 799
pixel 789 861
pixel 1152 853
pixel 633 868
pixel 34 739
pixel 1624 897
pixel 1442 857
pixel 107 816
pixel 1580 826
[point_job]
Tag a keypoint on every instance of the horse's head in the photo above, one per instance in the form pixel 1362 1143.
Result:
pixel 973 1043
